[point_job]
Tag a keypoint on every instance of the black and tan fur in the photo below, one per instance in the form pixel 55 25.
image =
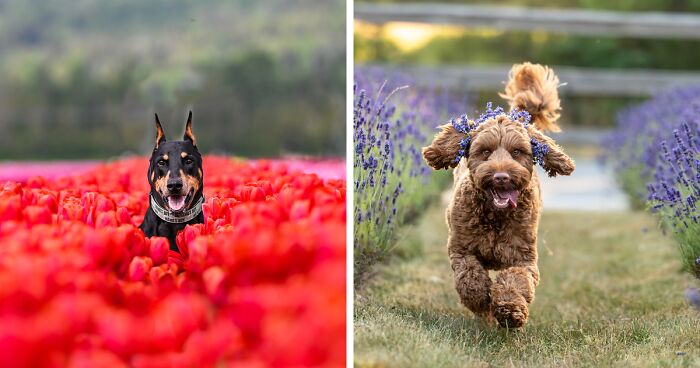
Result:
pixel 175 169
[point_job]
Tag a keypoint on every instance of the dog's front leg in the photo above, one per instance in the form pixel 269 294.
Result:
pixel 511 294
pixel 472 283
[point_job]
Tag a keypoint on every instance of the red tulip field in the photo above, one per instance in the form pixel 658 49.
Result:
pixel 260 283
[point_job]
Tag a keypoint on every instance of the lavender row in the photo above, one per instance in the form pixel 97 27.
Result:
pixel 392 120
pixel 655 151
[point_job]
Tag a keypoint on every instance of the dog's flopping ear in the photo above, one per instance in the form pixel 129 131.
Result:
pixel 160 134
pixel 442 152
pixel 189 136
pixel 556 162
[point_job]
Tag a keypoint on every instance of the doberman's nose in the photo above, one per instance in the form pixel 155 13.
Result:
pixel 501 178
pixel 174 185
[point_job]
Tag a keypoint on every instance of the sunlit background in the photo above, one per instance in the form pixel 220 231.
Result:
pixel 434 47
pixel 408 43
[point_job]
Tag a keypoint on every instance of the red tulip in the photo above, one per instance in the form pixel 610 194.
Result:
pixel 139 267
pixel 256 284
pixel 159 248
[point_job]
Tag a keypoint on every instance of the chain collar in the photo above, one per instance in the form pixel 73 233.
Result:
pixel 178 218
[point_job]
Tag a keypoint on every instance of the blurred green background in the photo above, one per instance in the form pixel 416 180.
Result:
pixel 82 79
pixel 419 44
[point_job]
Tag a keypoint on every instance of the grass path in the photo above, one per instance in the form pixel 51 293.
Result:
pixel 611 294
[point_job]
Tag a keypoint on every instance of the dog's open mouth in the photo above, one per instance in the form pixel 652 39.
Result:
pixel 505 198
pixel 177 203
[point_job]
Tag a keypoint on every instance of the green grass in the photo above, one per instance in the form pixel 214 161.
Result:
pixel 611 294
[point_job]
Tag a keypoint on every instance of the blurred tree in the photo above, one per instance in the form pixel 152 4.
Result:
pixel 82 79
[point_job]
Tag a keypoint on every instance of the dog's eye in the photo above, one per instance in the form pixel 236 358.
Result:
pixel 486 153
pixel 188 161
pixel 162 163
pixel 516 152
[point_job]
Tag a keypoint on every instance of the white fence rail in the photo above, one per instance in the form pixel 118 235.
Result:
pixel 579 81
pixel 575 21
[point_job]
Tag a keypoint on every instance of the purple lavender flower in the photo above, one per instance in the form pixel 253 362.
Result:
pixel 392 121
pixel 463 125
pixel 656 151
pixel 693 297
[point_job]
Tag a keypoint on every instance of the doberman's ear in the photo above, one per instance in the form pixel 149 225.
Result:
pixel 189 136
pixel 556 162
pixel 160 134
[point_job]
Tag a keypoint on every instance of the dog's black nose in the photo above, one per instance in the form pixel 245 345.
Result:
pixel 501 177
pixel 174 185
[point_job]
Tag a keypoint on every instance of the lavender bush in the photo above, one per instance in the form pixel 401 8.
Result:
pixel 392 121
pixel 656 152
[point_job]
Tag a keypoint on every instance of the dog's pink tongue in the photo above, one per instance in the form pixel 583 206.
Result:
pixel 512 196
pixel 176 202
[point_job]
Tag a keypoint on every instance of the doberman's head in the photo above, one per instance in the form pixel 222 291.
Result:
pixel 175 171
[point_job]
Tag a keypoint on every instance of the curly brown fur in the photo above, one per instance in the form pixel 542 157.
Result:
pixel 533 88
pixel 483 234
pixel 442 152
pixel 556 162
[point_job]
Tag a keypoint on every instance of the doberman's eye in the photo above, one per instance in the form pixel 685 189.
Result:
pixel 162 163
pixel 189 161
pixel 516 152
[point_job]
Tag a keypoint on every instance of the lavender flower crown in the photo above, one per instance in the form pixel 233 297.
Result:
pixel 462 125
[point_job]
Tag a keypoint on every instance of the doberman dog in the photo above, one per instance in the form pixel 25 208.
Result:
pixel 177 181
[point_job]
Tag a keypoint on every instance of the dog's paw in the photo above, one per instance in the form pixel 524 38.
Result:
pixel 511 314
pixel 487 320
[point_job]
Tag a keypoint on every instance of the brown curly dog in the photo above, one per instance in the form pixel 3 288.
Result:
pixel 495 207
